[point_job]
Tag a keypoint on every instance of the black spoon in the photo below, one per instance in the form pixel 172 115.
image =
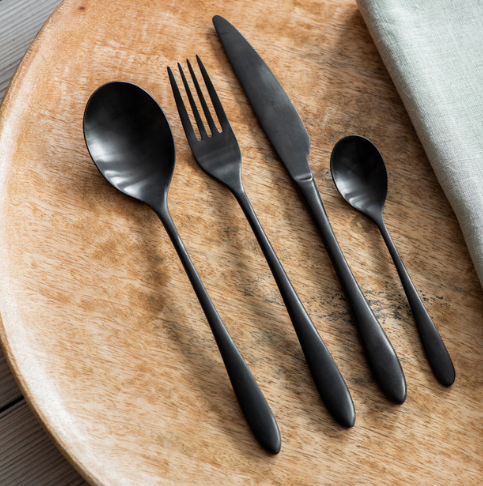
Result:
pixel 130 141
pixel 360 176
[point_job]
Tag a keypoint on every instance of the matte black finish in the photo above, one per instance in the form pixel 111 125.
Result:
pixel 219 156
pixel 360 175
pixel 290 139
pixel 130 141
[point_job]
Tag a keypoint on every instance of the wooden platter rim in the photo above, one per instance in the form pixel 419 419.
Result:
pixel 7 305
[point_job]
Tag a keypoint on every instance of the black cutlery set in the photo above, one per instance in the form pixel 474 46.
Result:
pixel 130 141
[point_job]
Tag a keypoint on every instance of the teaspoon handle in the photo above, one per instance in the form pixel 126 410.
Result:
pixel 251 399
pixel 382 358
pixel 329 382
pixel 434 347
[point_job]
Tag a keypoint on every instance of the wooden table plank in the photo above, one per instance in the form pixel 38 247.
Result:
pixel 9 390
pixel 28 456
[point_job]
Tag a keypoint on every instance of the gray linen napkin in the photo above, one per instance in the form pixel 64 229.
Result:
pixel 433 50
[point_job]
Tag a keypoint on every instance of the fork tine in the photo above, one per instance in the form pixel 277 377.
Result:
pixel 208 116
pixel 194 108
pixel 214 96
pixel 183 114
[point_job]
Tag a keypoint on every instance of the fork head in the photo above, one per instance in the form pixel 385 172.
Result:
pixel 218 154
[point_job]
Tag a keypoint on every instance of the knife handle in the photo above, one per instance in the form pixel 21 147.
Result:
pixel 251 399
pixel 327 377
pixel 382 358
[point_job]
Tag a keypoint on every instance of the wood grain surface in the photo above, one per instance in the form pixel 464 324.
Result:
pixel 27 455
pixel 100 324
pixel 20 21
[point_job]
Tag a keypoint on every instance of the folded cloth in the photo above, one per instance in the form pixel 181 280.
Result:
pixel 433 50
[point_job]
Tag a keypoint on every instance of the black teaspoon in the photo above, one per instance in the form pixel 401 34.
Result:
pixel 130 141
pixel 360 176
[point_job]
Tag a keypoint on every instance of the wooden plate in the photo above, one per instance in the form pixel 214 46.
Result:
pixel 100 324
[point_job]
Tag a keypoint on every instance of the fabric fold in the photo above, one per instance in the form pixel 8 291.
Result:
pixel 433 51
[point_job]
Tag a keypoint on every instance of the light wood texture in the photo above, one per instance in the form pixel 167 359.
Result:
pixel 28 455
pixel 101 325
pixel 20 20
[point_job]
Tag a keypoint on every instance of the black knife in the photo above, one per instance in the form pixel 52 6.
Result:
pixel 288 136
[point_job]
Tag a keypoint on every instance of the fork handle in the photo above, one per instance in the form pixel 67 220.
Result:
pixel 382 358
pixel 433 344
pixel 327 377
pixel 251 399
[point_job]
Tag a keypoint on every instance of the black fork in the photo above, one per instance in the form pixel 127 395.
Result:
pixel 220 157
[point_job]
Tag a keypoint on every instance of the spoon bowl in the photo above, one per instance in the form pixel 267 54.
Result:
pixel 130 141
pixel 360 174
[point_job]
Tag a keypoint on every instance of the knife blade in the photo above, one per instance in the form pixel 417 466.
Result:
pixel 287 133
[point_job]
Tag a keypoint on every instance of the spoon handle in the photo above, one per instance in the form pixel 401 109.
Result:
pixel 327 377
pixel 379 351
pixel 436 351
pixel 251 399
